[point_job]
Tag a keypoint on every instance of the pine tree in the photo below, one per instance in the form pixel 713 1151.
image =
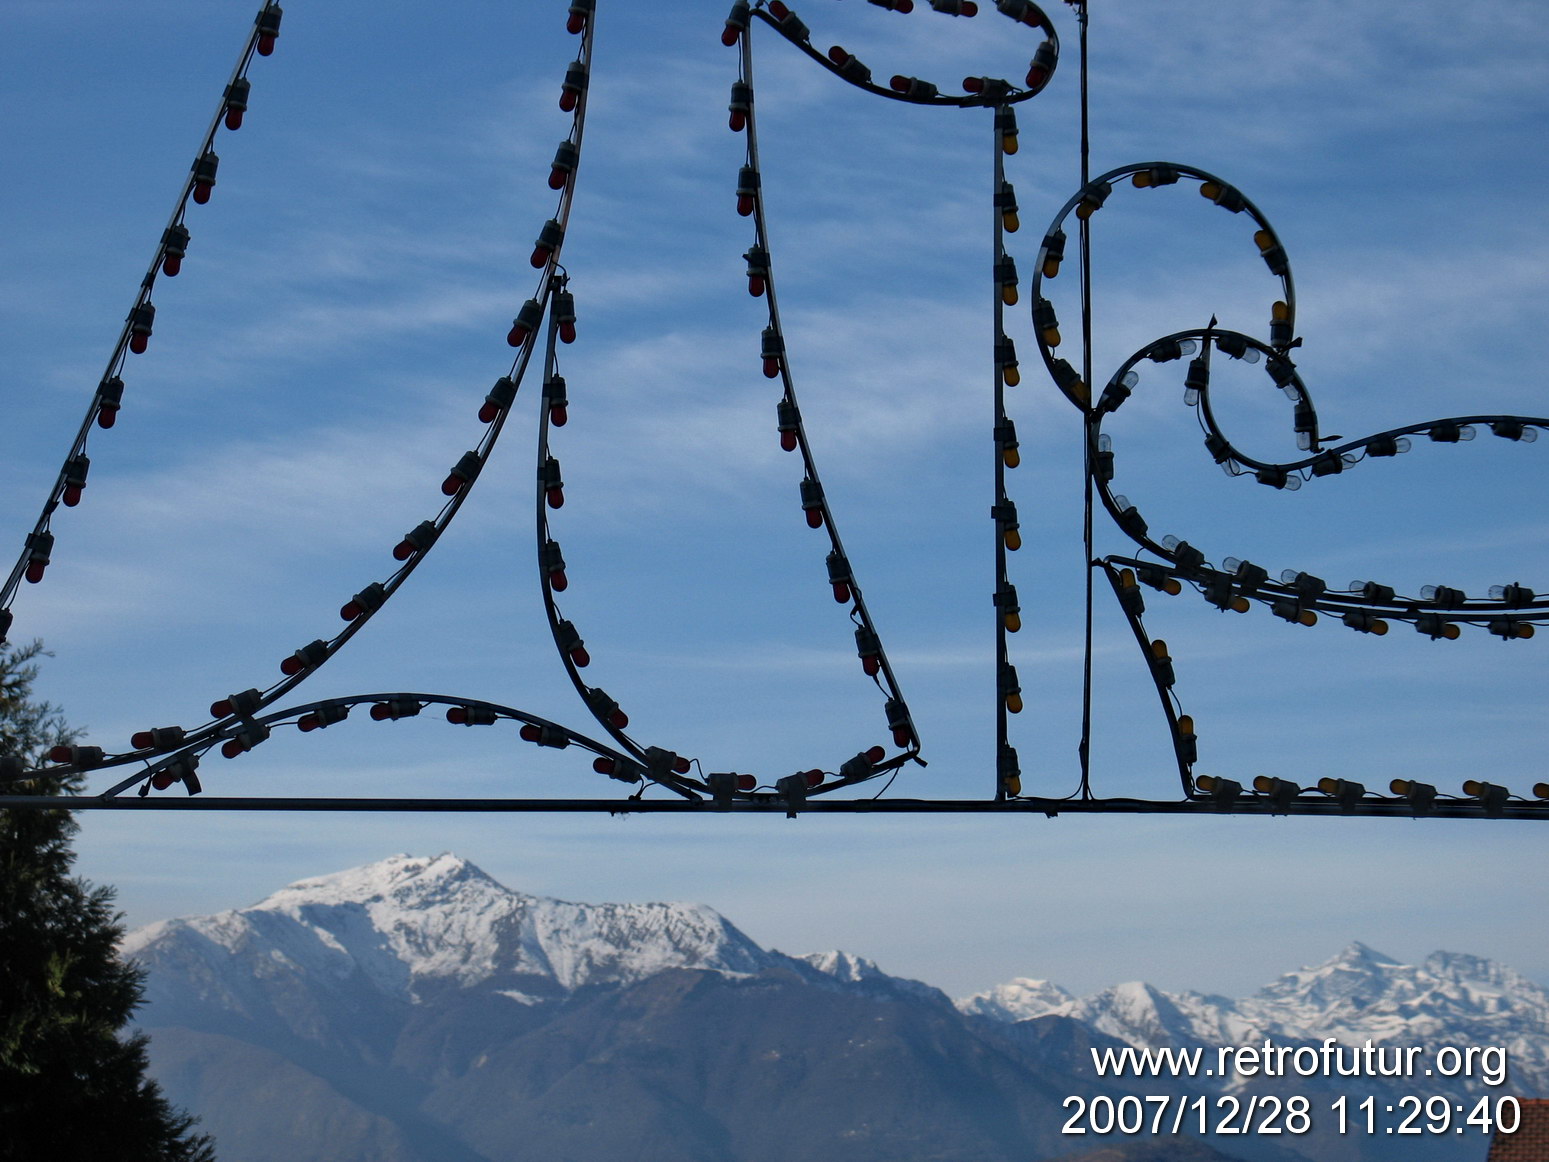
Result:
pixel 70 1086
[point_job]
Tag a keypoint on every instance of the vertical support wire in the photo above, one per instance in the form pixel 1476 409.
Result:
pixel 1088 427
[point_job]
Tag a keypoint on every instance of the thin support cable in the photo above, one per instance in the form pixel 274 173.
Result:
pixel 1085 238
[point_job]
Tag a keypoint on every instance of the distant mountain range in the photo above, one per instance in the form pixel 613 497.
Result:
pixel 414 1010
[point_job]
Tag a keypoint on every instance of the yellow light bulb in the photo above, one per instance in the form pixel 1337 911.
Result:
pixel 1328 786
pixel 1524 631
pixel 1013 540
pixel 1308 617
pixel 1011 375
pixel 1079 392
pixel 1472 787
pixel 1010 221
pixel 1263 784
pixel 1008 293
pixel 1142 179
pixel 1008 143
pixel 1399 786
pixel 1011 457
pixel 1263 239
pixel 1541 790
pixel 1013 785
pixel 1206 783
pixel 1171 587
pixel 1013 622
pixel 1240 604
pixel 1051 267
pixel 1280 312
pixel 1051 336
pixel 1159 650
pixel 1379 627
pixel 1450 632
pixel 1085 210
pixel 1211 190
pixel 1185 724
pixel 1014 703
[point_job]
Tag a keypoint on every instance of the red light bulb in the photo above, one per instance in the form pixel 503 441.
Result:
pixel 307 722
pixel 141 739
pixel 202 192
pixel 737 121
pixel 231 748
pixel 814 518
pixel 540 257
pixel 72 495
pixel 138 342
pixel 556 498
pixel 531 733
pixel 567 332
pixel 568 99
pixel 452 485
pixel 604 766
pixel 970 8
pixel 558 414
pixel 841 592
pixel 756 285
pixel 556 179
pixel 233 119
pixel 60 754
pixel 221 709
pixel 403 551
pixel 487 415
pixel 161 780
pixel 619 719
pixel 292 666
pixel 729 35
pixel 746 782
pixel 576 23
pixel 266 44
pixel 35 571
pixel 1037 77
pixel 558 581
pixel 381 711
pixel 107 416
pixel 349 612
pixel 814 777
pixel 788 441
pixel 902 736
pixel 899 84
pixel 771 367
pixel 973 84
pixel 580 657
pixel 744 204
pixel 681 765
pixel 872 664
pixel 172 264
pixel 875 755
pixel 518 334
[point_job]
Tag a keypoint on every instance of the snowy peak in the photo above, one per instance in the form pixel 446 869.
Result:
pixel 1358 995
pixel 1020 999
pixel 407 924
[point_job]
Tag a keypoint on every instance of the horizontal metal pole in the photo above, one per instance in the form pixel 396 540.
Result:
pixel 1385 808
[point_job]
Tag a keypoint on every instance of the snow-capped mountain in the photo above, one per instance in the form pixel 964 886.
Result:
pixel 1357 996
pixel 405 925
pixel 415 1010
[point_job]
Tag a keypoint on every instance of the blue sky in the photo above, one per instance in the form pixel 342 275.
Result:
pixel 317 366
